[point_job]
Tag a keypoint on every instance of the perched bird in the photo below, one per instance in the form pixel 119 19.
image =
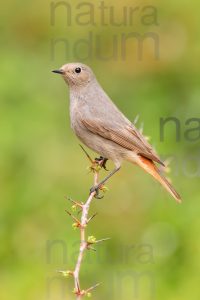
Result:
pixel 101 126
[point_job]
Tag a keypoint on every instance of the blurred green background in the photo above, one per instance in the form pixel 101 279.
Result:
pixel 154 248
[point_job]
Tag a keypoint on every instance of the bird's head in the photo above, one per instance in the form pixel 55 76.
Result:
pixel 76 74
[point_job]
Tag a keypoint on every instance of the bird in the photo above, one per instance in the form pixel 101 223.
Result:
pixel 102 127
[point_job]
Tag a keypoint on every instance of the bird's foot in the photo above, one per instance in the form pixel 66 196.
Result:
pixel 101 161
pixel 96 190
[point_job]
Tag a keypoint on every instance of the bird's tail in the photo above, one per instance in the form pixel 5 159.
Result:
pixel 149 166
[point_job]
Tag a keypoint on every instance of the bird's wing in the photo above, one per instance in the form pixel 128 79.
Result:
pixel 128 137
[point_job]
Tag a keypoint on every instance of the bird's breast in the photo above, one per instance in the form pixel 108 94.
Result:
pixel 76 112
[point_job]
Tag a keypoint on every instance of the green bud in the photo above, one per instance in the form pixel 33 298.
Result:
pixel 89 295
pixel 98 168
pixel 91 239
pixel 74 226
pixel 65 273
pixel 73 207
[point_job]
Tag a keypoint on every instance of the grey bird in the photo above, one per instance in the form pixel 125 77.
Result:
pixel 101 126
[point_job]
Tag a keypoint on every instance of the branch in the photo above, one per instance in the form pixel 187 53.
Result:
pixel 85 243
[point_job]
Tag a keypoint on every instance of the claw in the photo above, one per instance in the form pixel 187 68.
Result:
pixel 97 159
pixel 102 162
pixel 96 190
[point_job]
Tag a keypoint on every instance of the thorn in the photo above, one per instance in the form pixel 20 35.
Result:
pixel 88 156
pixel 95 167
pixel 102 240
pixel 92 240
pixel 74 202
pixel 78 286
pixel 141 128
pixel 136 119
pixel 74 218
pixel 65 273
pixel 92 287
pixel 91 248
pixel 92 217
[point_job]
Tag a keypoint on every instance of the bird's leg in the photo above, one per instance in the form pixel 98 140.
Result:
pixel 102 162
pixel 98 186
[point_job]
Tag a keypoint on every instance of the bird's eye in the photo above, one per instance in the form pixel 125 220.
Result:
pixel 78 70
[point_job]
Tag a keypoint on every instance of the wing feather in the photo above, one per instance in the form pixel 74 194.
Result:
pixel 128 137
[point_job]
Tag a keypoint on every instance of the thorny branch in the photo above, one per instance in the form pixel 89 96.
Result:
pixel 85 243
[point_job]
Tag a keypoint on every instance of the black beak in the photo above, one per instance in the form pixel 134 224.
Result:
pixel 58 71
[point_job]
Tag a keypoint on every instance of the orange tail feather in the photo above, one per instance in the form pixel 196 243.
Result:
pixel 149 166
